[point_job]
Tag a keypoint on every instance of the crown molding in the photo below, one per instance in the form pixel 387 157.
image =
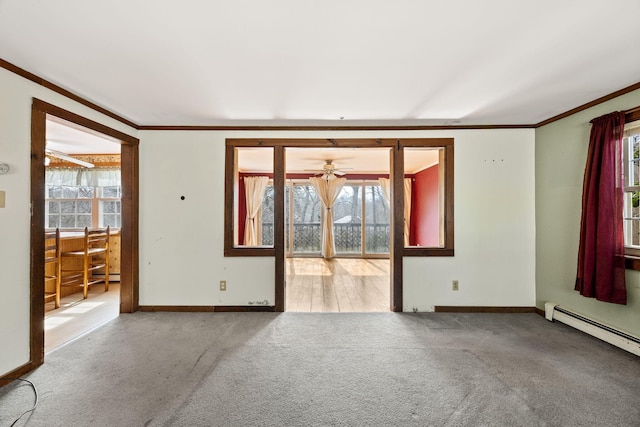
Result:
pixel 633 114
pixel 64 92
pixel 332 128
pixel 593 103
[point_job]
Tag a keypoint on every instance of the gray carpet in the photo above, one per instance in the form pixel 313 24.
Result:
pixel 265 369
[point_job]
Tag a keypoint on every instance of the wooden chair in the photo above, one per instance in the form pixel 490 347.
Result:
pixel 95 259
pixel 52 267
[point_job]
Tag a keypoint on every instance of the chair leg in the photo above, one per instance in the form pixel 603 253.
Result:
pixel 106 273
pixel 58 280
pixel 85 278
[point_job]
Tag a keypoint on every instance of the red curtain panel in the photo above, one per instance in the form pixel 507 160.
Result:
pixel 601 271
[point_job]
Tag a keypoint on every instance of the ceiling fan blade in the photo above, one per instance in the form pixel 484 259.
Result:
pixel 63 156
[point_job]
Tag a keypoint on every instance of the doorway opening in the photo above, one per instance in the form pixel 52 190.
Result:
pixel 421 219
pixel 83 189
pixel 337 230
pixel 49 201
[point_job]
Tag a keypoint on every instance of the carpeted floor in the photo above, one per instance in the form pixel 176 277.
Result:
pixel 298 369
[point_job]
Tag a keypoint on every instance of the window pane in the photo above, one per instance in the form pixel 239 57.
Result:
pixel 69 192
pixel 634 159
pixel 85 192
pixel 68 206
pixel 54 221
pixel 108 207
pixel 83 221
pixel 377 229
pixel 632 219
pixel 83 206
pixel 55 192
pixel 287 192
pixel 54 207
pixel 267 217
pixel 110 213
pixel 306 219
pixel 113 192
pixel 254 165
pixel 347 218
pixel 67 221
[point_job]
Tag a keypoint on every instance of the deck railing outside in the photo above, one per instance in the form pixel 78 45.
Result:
pixel 348 237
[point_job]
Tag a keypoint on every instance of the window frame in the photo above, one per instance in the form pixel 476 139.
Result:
pixel 397 169
pixel 632 257
pixel 632 131
pixel 448 248
pixel 96 214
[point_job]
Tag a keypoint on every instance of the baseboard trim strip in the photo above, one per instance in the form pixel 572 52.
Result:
pixel 205 308
pixel 481 309
pixel 18 372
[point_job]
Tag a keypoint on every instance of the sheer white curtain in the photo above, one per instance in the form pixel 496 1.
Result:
pixel 328 190
pixel 407 209
pixel 254 189
pixel 385 184
pixel 74 177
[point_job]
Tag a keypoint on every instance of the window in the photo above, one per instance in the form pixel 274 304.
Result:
pixel 631 145
pixel 253 206
pixel 77 198
pixel 367 216
pixel 303 209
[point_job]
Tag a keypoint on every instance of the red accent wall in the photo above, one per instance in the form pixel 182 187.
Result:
pixel 425 209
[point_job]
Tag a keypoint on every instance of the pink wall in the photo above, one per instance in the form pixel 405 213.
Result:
pixel 425 209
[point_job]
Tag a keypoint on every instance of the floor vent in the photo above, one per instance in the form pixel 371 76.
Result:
pixel 606 333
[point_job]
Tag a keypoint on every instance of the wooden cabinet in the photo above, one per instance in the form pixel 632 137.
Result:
pixel 114 257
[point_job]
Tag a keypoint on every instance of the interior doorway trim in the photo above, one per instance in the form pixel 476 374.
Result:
pixel 129 274
pixel 398 249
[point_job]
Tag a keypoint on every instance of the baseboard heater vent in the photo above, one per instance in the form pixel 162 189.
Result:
pixel 605 333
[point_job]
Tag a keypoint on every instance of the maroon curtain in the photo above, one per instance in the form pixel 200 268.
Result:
pixel 601 272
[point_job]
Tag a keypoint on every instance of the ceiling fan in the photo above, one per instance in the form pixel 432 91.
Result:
pixel 63 156
pixel 329 170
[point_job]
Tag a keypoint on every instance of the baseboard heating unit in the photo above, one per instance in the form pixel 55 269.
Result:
pixel 606 333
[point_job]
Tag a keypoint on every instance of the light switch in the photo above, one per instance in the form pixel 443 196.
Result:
pixel 1 199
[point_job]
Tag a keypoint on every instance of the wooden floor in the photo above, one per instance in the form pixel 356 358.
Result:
pixel 77 316
pixel 337 285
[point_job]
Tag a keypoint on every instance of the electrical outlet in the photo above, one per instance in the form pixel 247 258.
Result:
pixel 454 285
pixel 223 285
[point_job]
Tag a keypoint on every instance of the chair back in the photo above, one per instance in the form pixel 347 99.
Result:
pixel 51 246
pixel 96 239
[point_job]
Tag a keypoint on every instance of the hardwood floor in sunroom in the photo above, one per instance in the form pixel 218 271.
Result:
pixel 337 285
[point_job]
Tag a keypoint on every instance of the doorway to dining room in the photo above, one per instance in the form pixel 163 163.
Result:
pixel 83 188
pixel 93 200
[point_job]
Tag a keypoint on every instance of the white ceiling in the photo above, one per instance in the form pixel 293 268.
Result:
pixel 70 138
pixel 349 62
pixel 354 160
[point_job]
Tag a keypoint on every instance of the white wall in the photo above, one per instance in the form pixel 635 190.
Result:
pixel 181 242
pixel 561 153
pixel 15 149
pixel 181 246
pixel 494 227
